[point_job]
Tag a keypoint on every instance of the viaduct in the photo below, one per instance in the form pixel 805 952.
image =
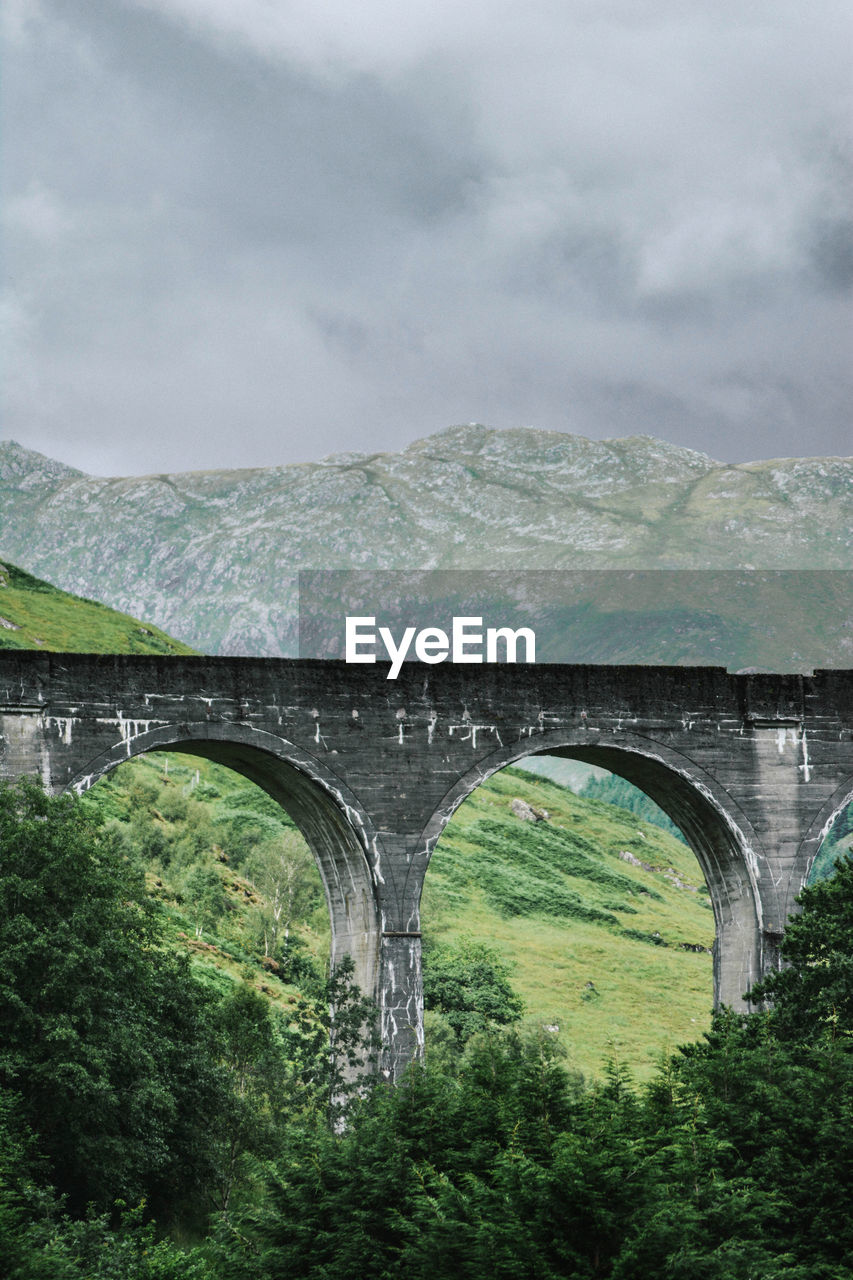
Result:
pixel 752 768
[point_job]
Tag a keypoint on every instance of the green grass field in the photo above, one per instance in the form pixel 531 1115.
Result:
pixel 36 615
pixel 616 956
pixel 177 813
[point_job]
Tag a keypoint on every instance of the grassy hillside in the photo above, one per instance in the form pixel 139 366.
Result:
pixel 614 953
pixel 36 615
pixel 212 844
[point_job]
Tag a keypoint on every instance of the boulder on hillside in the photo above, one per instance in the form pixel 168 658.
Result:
pixel 528 812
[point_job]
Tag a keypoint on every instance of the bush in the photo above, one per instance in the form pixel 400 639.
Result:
pixel 103 1034
pixel 469 985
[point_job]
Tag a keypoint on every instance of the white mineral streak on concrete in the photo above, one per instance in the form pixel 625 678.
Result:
pixel 804 767
pixel 390 989
pixel 830 822
pixel 354 820
pixel 129 729
pixel 429 845
pixel 377 870
pixel 353 816
pixel 318 736
pixel 63 727
pixel 355 885
pixel 484 728
pixel 468 731
pixel 431 723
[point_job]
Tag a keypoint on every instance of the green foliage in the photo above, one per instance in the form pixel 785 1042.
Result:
pixel 40 616
pixel 525 884
pixel 102 1033
pixel 120 1076
pixel 430 1178
pixel 613 951
pixel 284 872
pixel 124 1078
pixel 812 996
pixel 333 1044
pixel 45 1244
pixel 735 1161
pixel 249 1046
pixel 774 1129
pixel 205 897
pixel 837 842
pixel 611 789
pixel 470 986
pixel 226 860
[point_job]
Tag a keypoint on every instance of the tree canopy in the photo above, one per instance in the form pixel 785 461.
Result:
pixel 135 1100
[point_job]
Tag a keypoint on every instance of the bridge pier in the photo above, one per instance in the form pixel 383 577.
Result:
pixel 400 982
pixel 401 1004
pixel 752 768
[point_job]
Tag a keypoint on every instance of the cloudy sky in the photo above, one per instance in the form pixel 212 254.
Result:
pixel 248 232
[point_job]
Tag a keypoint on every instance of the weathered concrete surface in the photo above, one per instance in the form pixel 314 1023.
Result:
pixel 752 768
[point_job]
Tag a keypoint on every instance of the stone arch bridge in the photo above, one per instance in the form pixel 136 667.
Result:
pixel 752 768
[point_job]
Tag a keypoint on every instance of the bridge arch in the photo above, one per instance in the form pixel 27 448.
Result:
pixel 336 828
pixel 718 832
pixel 819 829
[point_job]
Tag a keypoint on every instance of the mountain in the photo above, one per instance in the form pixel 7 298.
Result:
pixel 212 555
pixel 36 615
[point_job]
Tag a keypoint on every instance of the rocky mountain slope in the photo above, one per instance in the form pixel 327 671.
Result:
pixel 212 556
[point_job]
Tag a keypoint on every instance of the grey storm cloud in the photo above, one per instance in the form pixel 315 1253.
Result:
pixel 245 234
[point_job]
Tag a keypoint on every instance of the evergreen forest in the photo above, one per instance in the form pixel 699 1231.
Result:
pixel 165 1119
